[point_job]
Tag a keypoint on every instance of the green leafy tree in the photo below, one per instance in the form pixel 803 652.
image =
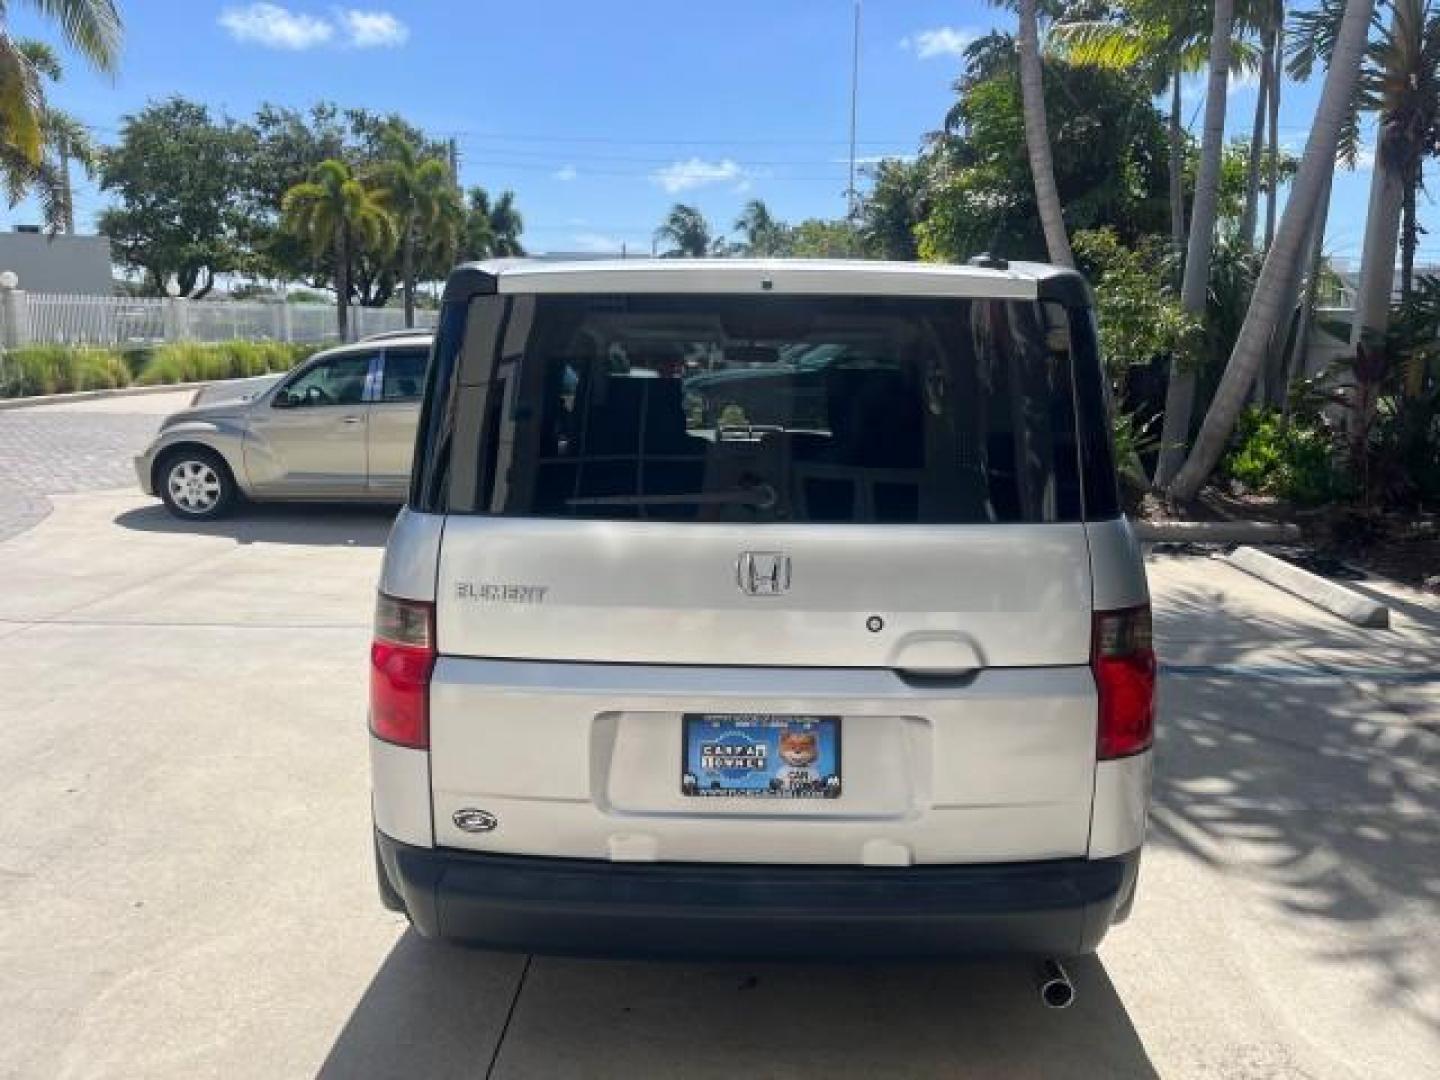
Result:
pixel 764 236
pixel 419 196
pixel 1138 312
pixel 1160 42
pixel 287 146
pixel 892 208
pixel 821 238
pixel 65 140
pixel 89 27
pixel 1109 152
pixel 180 180
pixel 336 214
pixel 685 232
pixel 1284 260
pixel 492 229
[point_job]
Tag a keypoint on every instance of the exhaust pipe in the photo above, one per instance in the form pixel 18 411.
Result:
pixel 1056 989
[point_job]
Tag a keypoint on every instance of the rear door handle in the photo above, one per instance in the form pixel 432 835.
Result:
pixel 937 678
pixel 352 420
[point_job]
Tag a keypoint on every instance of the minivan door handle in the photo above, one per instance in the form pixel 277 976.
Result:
pixel 351 420
pixel 937 679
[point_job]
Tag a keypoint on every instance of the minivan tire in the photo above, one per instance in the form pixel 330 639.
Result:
pixel 195 484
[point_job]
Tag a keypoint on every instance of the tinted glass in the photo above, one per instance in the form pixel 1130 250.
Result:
pixel 404 376
pixel 337 381
pixel 766 409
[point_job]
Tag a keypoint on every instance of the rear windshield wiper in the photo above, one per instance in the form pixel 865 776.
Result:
pixel 761 497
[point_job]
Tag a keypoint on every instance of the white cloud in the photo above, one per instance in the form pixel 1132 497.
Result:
pixel 696 173
pixel 1241 81
pixel 565 172
pixel 372 29
pixel 939 41
pixel 590 241
pixel 276 27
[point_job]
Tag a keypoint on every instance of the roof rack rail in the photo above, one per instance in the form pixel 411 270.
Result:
pixel 412 331
pixel 987 261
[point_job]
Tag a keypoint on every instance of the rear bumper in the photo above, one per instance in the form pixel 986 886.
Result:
pixel 591 907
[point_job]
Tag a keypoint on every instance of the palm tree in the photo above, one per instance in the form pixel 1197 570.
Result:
pixel 1403 86
pixel 764 236
pixel 1271 17
pixel 334 211
pixel 1165 40
pixel 89 27
pixel 1283 260
pixel 1037 138
pixel 492 231
pixel 686 231
pixel 63 139
pixel 415 192
pixel 1194 287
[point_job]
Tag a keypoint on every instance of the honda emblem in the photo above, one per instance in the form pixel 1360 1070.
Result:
pixel 764 573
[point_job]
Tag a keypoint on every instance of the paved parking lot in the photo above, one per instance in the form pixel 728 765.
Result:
pixel 185 869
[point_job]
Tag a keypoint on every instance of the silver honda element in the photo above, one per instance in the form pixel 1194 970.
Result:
pixel 748 608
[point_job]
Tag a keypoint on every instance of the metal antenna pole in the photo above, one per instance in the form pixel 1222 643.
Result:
pixel 854 105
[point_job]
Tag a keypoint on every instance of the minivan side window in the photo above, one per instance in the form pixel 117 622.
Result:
pixel 726 408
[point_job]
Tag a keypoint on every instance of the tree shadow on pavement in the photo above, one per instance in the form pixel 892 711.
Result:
pixel 1320 790
pixel 308 524
pixel 437 1011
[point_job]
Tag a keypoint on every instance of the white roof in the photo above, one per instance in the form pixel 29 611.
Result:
pixel 828 277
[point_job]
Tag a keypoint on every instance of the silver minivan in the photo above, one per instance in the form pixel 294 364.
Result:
pixel 763 608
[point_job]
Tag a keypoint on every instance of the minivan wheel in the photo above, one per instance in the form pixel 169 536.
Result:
pixel 195 484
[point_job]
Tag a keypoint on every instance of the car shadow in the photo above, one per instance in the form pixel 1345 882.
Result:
pixel 438 1011
pixel 309 524
pixel 1319 792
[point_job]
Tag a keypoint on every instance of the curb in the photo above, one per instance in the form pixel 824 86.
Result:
pixel 1216 532
pixel 91 395
pixel 1325 594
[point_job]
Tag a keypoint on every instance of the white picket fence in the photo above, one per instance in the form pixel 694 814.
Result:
pixel 124 322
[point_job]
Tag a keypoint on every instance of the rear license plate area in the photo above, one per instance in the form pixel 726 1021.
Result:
pixel 760 756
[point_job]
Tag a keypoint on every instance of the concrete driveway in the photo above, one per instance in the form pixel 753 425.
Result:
pixel 186 881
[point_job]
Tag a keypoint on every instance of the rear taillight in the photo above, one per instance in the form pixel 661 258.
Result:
pixel 1124 664
pixel 401 659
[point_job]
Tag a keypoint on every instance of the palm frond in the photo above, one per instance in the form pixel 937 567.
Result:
pixel 90 27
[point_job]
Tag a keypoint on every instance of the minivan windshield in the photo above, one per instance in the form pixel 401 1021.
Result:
pixel 727 408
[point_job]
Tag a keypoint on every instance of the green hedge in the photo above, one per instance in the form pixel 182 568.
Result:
pixel 59 369
pixel 190 361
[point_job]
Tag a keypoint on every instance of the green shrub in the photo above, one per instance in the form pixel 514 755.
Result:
pixel 1296 461
pixel 60 369
pixel 192 361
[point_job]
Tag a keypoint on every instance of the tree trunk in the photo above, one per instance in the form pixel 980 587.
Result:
pixel 1180 395
pixel 1317 164
pixel 1272 158
pixel 1037 138
pixel 407 270
pixel 1295 368
pixel 1177 165
pixel 342 283
pixel 1377 258
pixel 1409 237
pixel 1251 216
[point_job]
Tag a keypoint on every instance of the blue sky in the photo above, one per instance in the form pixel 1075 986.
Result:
pixel 599 116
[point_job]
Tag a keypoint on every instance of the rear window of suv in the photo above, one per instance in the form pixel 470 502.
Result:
pixel 725 408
